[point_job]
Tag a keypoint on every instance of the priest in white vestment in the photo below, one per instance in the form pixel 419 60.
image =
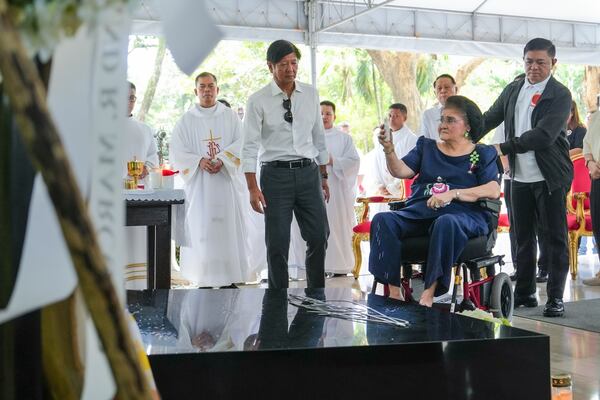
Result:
pixel 205 149
pixel 137 143
pixel 342 168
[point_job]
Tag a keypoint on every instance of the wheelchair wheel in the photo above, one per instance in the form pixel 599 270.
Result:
pixel 501 297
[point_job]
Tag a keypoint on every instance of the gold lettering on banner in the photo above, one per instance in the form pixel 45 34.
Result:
pixel 108 73
pixel 107 99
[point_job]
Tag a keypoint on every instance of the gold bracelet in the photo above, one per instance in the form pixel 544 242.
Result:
pixel 389 152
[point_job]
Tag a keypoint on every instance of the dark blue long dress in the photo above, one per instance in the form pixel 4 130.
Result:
pixel 450 227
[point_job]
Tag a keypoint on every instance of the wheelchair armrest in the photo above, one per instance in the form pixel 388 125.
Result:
pixel 397 205
pixel 491 205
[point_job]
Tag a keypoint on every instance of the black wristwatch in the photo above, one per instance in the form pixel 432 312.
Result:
pixel 324 175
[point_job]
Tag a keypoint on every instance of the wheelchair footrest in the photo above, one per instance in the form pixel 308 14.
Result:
pixel 466 304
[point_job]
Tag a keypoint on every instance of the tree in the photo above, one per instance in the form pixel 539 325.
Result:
pixel 153 81
pixel 399 71
pixel 409 76
pixel 466 69
pixel 592 87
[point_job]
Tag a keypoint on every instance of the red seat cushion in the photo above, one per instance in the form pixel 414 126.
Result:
pixel 581 182
pixel 363 227
pixel 503 220
pixel 376 199
pixel 407 187
pixel 572 224
pixel 588 223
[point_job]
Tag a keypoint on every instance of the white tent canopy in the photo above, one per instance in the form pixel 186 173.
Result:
pixel 496 28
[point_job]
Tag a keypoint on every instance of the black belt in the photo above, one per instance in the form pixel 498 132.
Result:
pixel 293 164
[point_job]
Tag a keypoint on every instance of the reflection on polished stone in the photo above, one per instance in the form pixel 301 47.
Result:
pixel 182 321
pixel 215 343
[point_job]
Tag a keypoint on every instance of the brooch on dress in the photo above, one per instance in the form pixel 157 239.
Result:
pixel 439 187
pixel 474 159
pixel 436 188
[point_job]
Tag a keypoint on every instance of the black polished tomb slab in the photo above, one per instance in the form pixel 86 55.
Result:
pixel 251 343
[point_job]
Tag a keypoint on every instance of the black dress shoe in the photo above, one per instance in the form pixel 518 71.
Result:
pixel 232 286
pixel 542 276
pixel 526 301
pixel 554 308
pixel 513 276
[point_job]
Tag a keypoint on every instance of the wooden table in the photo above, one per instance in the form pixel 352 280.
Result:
pixel 155 212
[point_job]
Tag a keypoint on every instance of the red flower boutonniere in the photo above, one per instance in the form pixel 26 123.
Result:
pixel 535 98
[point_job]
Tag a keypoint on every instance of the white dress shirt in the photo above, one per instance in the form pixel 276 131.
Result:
pixel 500 137
pixel 526 167
pixel 269 137
pixel 591 141
pixel 431 121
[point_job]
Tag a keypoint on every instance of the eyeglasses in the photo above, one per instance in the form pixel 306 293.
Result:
pixel 449 120
pixel 132 98
pixel 287 104
pixel 529 62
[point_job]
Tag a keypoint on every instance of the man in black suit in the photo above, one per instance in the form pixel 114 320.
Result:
pixel 534 112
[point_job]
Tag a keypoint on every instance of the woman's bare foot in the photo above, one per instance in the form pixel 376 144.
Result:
pixel 395 292
pixel 426 301
pixel 427 296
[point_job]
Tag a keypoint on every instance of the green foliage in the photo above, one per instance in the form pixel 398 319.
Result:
pixel 142 42
pixel 572 76
pixel 425 74
pixel 363 81
pixel 345 76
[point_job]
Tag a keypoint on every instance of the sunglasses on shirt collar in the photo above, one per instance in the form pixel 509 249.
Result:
pixel 287 104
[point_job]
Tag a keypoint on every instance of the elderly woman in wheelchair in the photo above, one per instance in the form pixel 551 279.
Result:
pixel 453 174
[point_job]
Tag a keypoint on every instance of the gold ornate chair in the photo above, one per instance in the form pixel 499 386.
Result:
pixel 579 220
pixel 363 228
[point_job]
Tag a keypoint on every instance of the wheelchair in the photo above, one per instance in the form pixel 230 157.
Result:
pixel 483 288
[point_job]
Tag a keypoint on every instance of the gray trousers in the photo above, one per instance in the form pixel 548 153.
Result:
pixel 296 191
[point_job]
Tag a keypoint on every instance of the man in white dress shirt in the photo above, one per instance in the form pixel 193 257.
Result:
pixel 534 111
pixel 284 130
pixel 342 169
pixel 381 182
pixel 444 87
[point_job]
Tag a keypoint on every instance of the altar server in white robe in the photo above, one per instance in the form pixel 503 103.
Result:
pixel 137 143
pixel 205 149
pixel 343 166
